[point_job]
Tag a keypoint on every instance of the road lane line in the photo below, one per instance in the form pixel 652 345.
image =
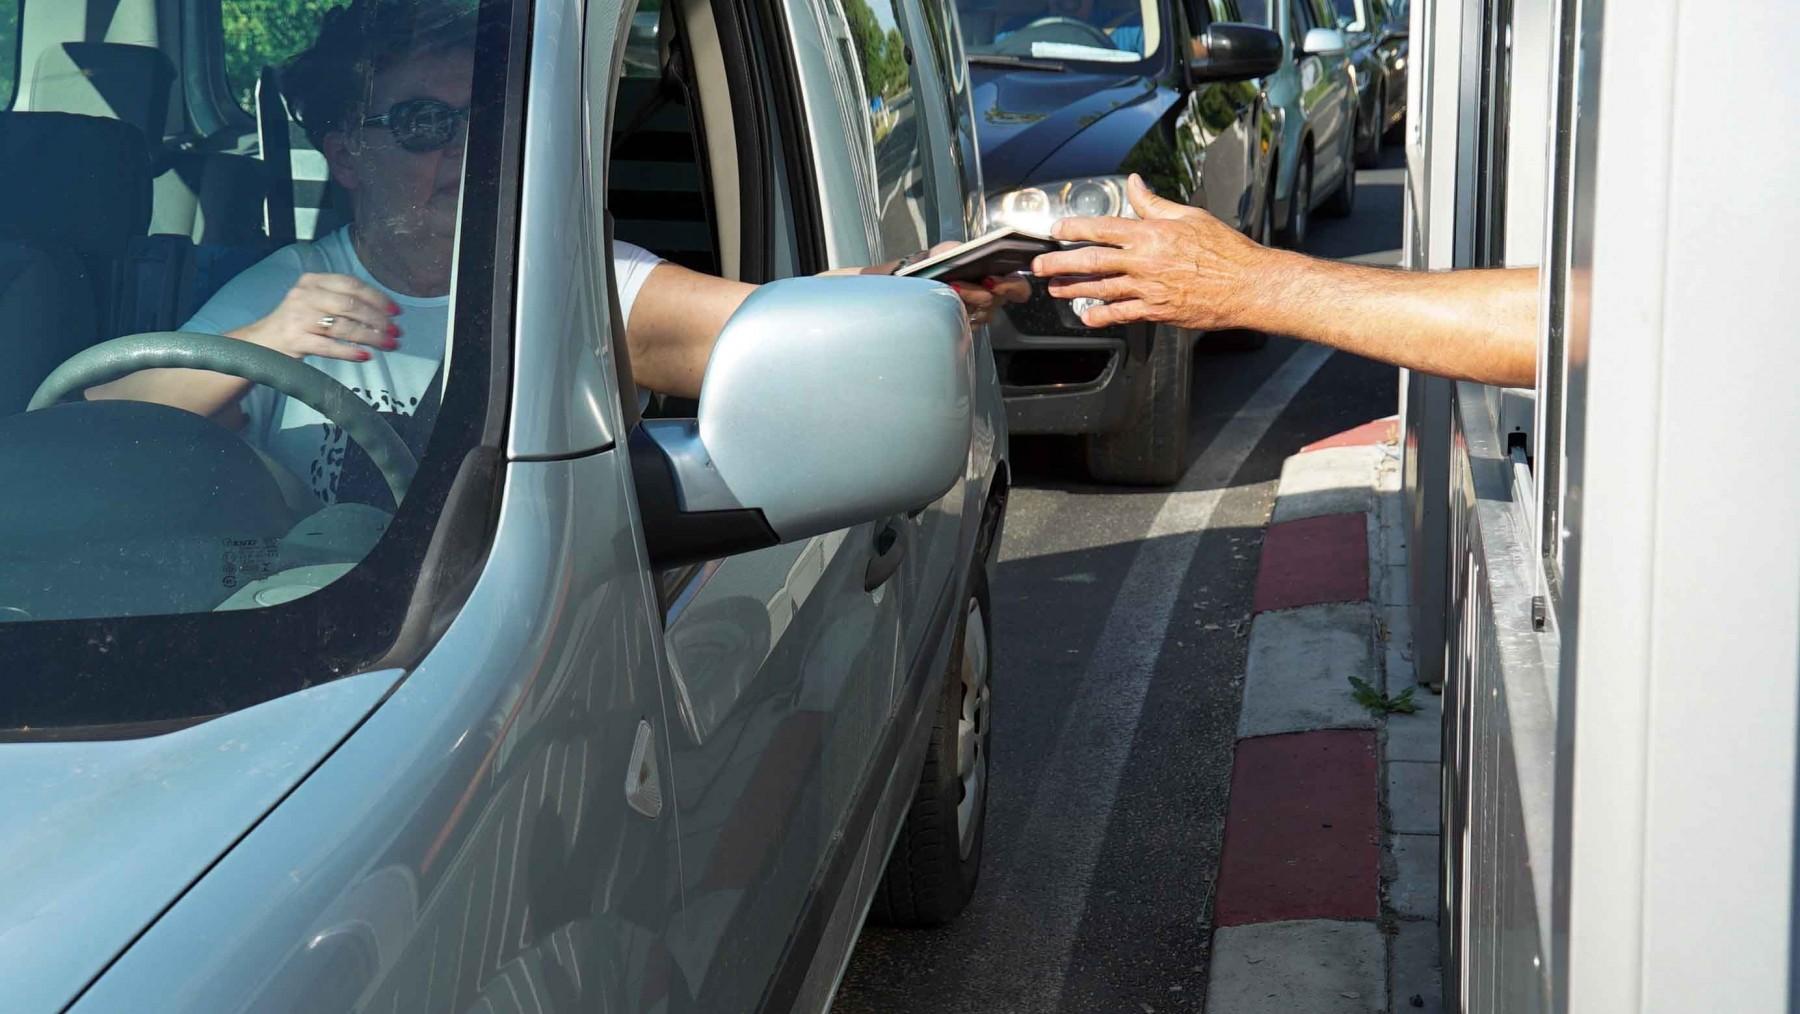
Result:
pixel 1059 844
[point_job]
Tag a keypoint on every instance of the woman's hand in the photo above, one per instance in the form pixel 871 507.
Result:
pixel 333 316
pixel 980 300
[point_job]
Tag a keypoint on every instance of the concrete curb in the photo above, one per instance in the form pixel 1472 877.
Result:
pixel 1327 892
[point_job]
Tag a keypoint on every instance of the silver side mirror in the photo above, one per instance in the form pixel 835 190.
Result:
pixel 828 402
pixel 1323 42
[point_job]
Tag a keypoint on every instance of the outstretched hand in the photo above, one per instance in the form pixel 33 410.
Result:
pixel 1173 265
pixel 979 300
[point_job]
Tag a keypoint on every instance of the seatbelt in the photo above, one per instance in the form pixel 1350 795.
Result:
pixel 672 86
pixel 278 161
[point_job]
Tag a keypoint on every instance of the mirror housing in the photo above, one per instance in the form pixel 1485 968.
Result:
pixel 1236 52
pixel 827 402
pixel 1323 42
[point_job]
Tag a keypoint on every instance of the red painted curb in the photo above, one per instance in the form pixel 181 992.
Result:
pixel 1313 560
pixel 1379 431
pixel 1302 835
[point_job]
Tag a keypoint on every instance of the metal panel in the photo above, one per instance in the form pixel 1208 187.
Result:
pixel 1499 730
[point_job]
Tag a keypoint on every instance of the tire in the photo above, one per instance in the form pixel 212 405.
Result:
pixel 1150 449
pixel 1369 156
pixel 936 862
pixel 1342 201
pixel 1293 234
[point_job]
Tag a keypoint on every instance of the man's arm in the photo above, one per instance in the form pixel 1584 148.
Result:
pixel 1180 265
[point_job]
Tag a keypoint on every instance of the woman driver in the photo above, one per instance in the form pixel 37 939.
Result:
pixel 384 93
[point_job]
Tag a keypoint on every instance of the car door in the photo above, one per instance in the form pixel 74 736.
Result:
pixel 1221 115
pixel 780 662
pixel 889 196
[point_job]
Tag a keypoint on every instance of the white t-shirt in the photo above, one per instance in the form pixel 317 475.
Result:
pixel 402 385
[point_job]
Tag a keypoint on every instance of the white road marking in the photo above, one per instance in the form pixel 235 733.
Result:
pixel 1059 843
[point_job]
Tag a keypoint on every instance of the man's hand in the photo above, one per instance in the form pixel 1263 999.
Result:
pixel 1174 265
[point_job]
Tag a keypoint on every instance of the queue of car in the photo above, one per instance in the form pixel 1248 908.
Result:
pixel 613 699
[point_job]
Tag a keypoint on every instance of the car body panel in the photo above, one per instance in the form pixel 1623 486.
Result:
pixel 493 853
pixel 100 835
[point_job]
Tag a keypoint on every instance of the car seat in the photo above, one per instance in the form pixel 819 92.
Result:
pixel 77 194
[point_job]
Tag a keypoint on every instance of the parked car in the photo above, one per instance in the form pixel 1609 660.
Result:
pixel 1070 101
pixel 1377 50
pixel 1315 112
pixel 1392 47
pixel 579 709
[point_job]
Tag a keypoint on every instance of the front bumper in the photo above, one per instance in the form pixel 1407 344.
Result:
pixel 1059 376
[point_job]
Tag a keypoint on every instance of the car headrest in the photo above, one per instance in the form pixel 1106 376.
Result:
pixel 74 182
pixel 111 79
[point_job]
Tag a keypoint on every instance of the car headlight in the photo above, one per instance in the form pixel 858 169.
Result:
pixel 1038 207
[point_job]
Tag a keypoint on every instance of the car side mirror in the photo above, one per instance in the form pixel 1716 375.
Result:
pixel 827 402
pixel 1323 42
pixel 1233 52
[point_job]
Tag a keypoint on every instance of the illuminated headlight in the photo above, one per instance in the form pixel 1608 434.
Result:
pixel 1037 208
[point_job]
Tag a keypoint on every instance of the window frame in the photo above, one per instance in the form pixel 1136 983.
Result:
pixel 18 54
pixel 438 540
pixel 768 126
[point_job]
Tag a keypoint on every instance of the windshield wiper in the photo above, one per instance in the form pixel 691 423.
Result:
pixel 1021 62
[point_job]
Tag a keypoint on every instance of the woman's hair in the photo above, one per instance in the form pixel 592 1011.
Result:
pixel 327 85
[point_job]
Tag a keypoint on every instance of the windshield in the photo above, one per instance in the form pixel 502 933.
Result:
pixel 1101 31
pixel 288 478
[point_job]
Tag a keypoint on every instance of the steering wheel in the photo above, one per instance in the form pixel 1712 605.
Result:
pixel 1057 28
pixel 186 350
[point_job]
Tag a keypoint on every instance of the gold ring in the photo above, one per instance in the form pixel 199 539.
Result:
pixel 327 321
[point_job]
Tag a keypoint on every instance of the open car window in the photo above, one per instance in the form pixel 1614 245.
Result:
pixel 277 539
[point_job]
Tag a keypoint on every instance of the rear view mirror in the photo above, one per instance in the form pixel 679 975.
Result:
pixel 828 402
pixel 1231 52
pixel 1323 42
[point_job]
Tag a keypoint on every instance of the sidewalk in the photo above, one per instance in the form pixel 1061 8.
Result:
pixel 1327 893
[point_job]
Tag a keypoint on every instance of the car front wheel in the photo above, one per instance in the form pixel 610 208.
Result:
pixel 936 860
pixel 1150 447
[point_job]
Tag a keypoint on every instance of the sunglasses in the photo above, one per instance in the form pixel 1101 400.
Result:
pixel 421 125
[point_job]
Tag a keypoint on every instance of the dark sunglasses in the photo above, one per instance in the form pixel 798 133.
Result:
pixel 420 125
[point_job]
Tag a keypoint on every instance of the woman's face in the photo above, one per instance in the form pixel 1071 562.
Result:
pixel 400 191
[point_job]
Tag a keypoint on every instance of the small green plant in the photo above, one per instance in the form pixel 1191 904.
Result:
pixel 1379 703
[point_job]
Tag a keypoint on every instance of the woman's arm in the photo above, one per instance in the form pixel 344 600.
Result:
pixel 678 314
pixel 358 314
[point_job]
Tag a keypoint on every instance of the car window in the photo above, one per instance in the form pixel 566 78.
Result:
pixel 302 501
pixel 10 10
pixel 1106 31
pixel 1345 10
pixel 265 33
pixel 1300 13
pixel 1257 12
pixel 904 198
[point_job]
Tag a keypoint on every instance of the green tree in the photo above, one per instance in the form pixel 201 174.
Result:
pixel 261 33
pixel 883 54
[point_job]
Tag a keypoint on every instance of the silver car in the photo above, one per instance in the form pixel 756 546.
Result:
pixel 1377 48
pixel 563 697
pixel 1315 106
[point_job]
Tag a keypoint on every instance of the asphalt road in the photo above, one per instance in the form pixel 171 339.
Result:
pixel 1121 619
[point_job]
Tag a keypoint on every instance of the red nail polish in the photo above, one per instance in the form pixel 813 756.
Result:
pixel 364 355
pixel 988 284
pixel 393 330
pixel 393 308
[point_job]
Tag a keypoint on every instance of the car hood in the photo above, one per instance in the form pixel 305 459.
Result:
pixel 1023 116
pixel 98 837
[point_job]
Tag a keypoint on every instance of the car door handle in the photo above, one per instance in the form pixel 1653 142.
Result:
pixel 890 546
